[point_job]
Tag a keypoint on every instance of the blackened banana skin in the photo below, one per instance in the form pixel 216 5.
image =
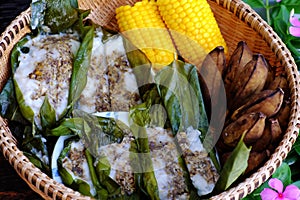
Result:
pixel 240 57
pixel 250 124
pixel 249 82
pixel 268 102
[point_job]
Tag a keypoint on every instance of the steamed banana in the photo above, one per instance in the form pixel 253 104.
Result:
pixel 280 82
pixel 270 137
pixel 263 142
pixel 250 81
pixel 252 124
pixel 211 80
pixel 284 113
pixel 267 102
pixel 216 58
pixel 276 132
pixel 240 57
pixel 255 160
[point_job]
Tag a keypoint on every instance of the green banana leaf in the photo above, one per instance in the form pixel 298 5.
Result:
pixel 47 114
pixel 101 192
pixel 80 67
pixel 26 111
pixel 113 189
pixel 9 106
pixel 35 148
pixel 103 170
pixel 148 181
pixel 99 131
pixel 96 131
pixel 56 15
pixel 69 177
pixel 179 87
pixel 150 112
pixel 141 68
pixel 234 167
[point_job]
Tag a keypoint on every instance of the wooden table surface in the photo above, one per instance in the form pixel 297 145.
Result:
pixel 11 185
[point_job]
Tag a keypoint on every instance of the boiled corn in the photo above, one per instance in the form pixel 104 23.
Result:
pixel 192 26
pixel 144 27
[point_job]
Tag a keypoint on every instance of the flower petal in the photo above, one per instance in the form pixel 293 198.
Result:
pixel 268 194
pixel 276 184
pixel 278 0
pixel 295 31
pixel 295 21
pixel 292 192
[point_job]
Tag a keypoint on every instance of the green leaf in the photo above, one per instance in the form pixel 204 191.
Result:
pixel 34 146
pixel 292 4
pixel 69 177
pixel 67 126
pixel 144 168
pixel 295 171
pixel 178 86
pixel 101 192
pixel 9 106
pixel 96 131
pixel 80 67
pixel 47 114
pixel 297 183
pixel 292 157
pixel 280 22
pixel 255 3
pixel 141 67
pixel 150 112
pixel 26 110
pixel 283 173
pixel 103 168
pixel 60 15
pixel 296 146
pixel 235 166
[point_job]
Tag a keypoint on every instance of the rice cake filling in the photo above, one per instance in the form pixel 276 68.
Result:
pixel 111 84
pixel 95 96
pixel 201 168
pixel 123 86
pixel 118 157
pixel 76 164
pixel 168 172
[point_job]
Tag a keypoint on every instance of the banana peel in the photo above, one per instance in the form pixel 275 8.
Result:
pixel 240 57
pixel 252 124
pixel 268 102
pixel 249 82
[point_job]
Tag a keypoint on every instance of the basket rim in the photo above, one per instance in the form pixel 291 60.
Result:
pixel 45 186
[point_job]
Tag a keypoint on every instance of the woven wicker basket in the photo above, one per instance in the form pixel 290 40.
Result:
pixel 237 22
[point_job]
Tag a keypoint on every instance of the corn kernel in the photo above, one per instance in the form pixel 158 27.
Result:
pixel 151 35
pixel 198 28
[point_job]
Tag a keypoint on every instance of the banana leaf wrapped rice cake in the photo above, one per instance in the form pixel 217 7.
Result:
pixel 111 84
pixel 74 167
pixel 43 68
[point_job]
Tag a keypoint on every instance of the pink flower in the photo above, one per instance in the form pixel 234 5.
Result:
pixel 278 0
pixel 295 24
pixel 291 192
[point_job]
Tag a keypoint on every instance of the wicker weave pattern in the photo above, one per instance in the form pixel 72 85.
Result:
pixel 237 22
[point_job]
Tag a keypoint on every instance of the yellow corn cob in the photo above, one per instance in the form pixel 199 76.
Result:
pixel 144 27
pixel 193 27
